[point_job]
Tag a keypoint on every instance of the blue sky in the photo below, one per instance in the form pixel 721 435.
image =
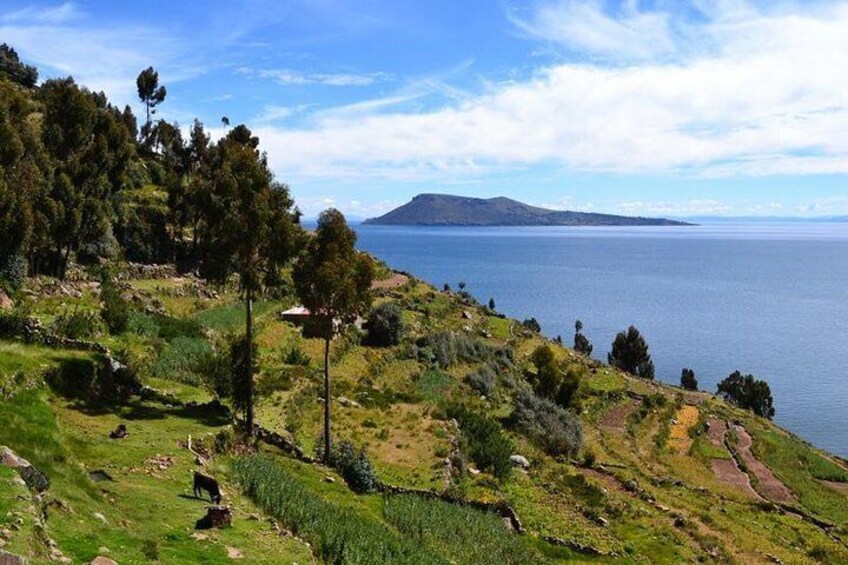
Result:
pixel 663 107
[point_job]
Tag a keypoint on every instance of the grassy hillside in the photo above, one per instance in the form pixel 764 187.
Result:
pixel 662 475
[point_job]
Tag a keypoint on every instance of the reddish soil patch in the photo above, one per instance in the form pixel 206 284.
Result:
pixel 394 281
pixel 615 419
pixel 716 432
pixel 727 472
pixel 770 486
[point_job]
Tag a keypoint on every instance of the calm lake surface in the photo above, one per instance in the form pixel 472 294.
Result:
pixel 765 298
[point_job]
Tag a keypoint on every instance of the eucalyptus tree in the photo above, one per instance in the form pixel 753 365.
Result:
pixel 251 230
pixel 333 281
pixel 151 93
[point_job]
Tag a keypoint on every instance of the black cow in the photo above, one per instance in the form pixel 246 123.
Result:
pixel 210 485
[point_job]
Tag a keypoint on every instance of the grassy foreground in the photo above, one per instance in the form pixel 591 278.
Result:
pixel 656 478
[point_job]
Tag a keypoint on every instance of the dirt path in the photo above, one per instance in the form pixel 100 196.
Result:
pixel 615 419
pixel 837 486
pixel 769 486
pixel 678 437
pixel 394 281
pixel 716 432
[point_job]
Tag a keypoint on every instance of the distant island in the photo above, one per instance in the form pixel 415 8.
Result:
pixel 449 210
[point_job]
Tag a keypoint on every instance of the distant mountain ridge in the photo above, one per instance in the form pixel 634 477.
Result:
pixel 449 210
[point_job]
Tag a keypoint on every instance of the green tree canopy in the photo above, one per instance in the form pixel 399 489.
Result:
pixel 749 393
pixel 13 69
pixel 151 93
pixel 333 280
pixel 630 353
pixel 688 380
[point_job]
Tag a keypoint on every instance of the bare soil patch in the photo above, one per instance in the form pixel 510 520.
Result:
pixel 716 432
pixel 395 281
pixel 727 472
pixel 769 486
pixel 615 419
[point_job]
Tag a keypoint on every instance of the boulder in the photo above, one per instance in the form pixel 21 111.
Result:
pixel 519 461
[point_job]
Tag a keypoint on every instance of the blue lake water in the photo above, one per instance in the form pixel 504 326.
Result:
pixel 765 298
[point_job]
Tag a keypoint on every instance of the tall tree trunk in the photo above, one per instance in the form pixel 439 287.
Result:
pixel 249 353
pixel 327 444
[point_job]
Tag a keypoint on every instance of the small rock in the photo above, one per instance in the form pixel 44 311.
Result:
pixel 234 553
pixel 101 560
pixel 101 517
pixel 7 558
pixel 519 461
pixel 474 471
pixel 329 479
pixel 603 521
pixel 199 536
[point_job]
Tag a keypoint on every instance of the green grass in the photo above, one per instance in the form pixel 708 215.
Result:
pixel 798 465
pixel 231 317
pixel 339 534
pixel 461 534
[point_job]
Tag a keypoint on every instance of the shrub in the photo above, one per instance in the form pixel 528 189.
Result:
pixel 483 380
pixel 76 324
pixel 483 440
pixel 385 325
pixel 355 467
pixel 142 324
pixel 630 353
pixel 445 349
pixel 296 356
pixel 13 271
pixel 532 324
pixel 115 310
pixel 554 429
pixel 749 393
pixel 14 323
pixel 688 380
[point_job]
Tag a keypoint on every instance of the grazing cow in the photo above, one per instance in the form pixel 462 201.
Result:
pixel 119 433
pixel 210 485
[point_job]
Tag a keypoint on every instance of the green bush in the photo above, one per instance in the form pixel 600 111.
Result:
pixel 13 271
pixel 554 429
pixel 338 534
pixel 115 309
pixel 296 356
pixel 14 323
pixel 142 324
pixel 630 354
pixel 355 467
pixel 76 324
pixel 483 380
pixel 385 325
pixel 444 349
pixel 483 440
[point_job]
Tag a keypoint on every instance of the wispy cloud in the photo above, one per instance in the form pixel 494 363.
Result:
pixel 290 77
pixel 53 15
pixel 628 32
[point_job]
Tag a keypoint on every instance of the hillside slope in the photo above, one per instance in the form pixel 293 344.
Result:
pixel 448 210
pixel 662 475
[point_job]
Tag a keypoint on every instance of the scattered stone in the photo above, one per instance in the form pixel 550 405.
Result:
pixel 7 558
pixel 473 471
pixel 254 517
pixel 234 553
pixel 603 522
pixel 347 402
pixel 329 479
pixel 5 302
pixel 101 560
pixel 680 522
pixel 466 315
pixel 519 461
pixel 199 536
pixel 101 517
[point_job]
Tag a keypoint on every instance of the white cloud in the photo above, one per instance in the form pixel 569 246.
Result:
pixel 768 97
pixel 275 113
pixel 290 77
pixel 582 26
pixel 673 208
